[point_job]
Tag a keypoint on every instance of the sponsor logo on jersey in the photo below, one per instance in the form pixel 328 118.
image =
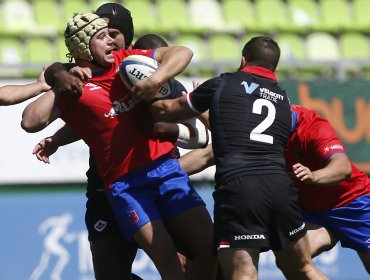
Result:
pixel 294 231
pixel 133 217
pixel 270 95
pixel 120 106
pixel 100 225
pixel 249 89
pixel 333 147
pixel 249 236
pixel 92 86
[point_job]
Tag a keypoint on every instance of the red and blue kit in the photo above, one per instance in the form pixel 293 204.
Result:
pixel 312 144
pixel 141 175
pixel 344 209
pixel 107 119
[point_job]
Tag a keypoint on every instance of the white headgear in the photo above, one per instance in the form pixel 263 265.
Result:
pixel 78 33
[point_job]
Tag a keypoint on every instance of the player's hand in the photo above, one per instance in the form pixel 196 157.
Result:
pixel 195 84
pixel 44 149
pixel 145 90
pixel 41 80
pixel 303 173
pixel 83 73
pixel 68 84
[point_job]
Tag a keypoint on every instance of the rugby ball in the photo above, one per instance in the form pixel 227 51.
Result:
pixel 136 68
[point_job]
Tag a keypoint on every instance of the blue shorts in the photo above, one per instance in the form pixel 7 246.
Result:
pixel 350 224
pixel 160 190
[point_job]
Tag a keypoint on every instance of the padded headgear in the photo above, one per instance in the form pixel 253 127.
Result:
pixel 78 33
pixel 120 18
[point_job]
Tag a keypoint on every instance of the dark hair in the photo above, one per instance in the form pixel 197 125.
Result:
pixel 262 51
pixel 119 18
pixel 150 41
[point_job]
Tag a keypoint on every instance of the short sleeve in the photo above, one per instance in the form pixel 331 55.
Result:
pixel 200 99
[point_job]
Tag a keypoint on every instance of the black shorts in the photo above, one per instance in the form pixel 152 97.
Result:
pixel 257 211
pixel 99 218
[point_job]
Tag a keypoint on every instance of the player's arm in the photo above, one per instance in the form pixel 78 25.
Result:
pixel 173 60
pixel 66 78
pixel 40 113
pixel 197 160
pixel 49 145
pixel 187 106
pixel 337 170
pixel 325 146
pixel 172 110
pixel 14 94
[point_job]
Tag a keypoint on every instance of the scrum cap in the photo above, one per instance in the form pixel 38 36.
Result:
pixel 120 18
pixel 78 33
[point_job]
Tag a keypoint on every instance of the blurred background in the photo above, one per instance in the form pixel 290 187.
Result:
pixel 325 65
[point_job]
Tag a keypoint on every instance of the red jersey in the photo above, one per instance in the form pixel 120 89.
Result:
pixel 312 144
pixel 107 119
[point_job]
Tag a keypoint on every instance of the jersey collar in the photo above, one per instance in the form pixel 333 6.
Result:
pixel 260 71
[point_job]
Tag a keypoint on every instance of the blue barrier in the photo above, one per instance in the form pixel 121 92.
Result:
pixel 43 236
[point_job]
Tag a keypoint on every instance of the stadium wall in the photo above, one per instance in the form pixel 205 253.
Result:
pixel 43 236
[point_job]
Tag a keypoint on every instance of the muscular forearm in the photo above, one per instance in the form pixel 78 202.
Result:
pixel 171 110
pixel 39 113
pixel 338 169
pixel 197 160
pixel 173 62
pixel 14 94
pixel 64 136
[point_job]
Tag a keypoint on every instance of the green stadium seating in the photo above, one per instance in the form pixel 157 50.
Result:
pixel 224 47
pixel 207 17
pixel 322 46
pixel 200 58
pixel 271 15
pixel 40 50
pixel 170 21
pixel 322 54
pixel 17 18
pixel 291 46
pixel 225 50
pixel 355 48
pixel 361 19
pixel 239 12
pixel 12 51
pixel 95 4
pixel 304 14
pixel 293 54
pixel 335 15
pixel 48 16
pixel 61 50
pixel 245 38
pixel 71 7
pixel 354 45
pixel 143 16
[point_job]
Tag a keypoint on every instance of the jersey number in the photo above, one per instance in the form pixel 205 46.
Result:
pixel 257 132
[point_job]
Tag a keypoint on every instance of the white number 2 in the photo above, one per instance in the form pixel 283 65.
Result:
pixel 257 132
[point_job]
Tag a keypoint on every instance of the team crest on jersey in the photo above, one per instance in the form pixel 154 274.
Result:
pixel 133 217
pixel 100 225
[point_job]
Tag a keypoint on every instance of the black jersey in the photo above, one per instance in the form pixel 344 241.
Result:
pixel 250 121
